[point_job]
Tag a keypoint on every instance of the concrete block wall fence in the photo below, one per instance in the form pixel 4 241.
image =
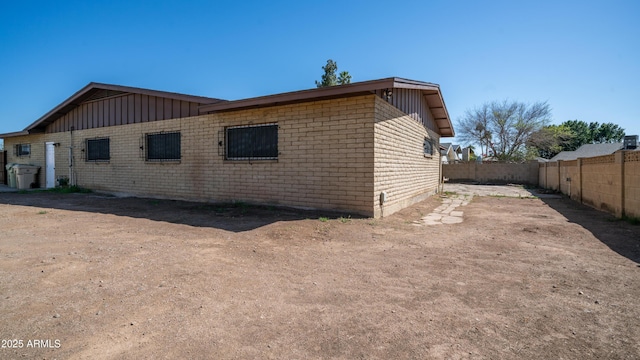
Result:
pixel 609 183
pixel 490 172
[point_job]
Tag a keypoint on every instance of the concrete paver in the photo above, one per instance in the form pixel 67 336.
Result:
pixel 458 195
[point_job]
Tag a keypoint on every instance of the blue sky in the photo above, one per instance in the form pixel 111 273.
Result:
pixel 583 57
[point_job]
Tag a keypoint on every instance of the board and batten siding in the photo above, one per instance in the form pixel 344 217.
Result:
pixel 122 109
pixel 413 103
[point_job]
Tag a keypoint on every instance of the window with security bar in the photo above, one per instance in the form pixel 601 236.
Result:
pixel 98 149
pixel 252 142
pixel 163 147
pixel 427 147
pixel 23 150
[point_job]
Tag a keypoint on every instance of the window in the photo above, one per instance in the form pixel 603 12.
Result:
pixel 163 146
pixel 23 149
pixel 427 147
pixel 98 149
pixel 254 142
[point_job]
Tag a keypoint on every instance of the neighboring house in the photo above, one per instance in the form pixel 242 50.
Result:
pixel 457 150
pixel 449 155
pixel 467 154
pixel 369 147
pixel 588 150
pixel 452 153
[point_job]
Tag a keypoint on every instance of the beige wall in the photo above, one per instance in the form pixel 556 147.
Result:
pixel 326 158
pixel 569 179
pixel 632 183
pixel 609 183
pixel 37 155
pixel 553 178
pixel 542 174
pixel 525 173
pixel 401 168
pixel 601 182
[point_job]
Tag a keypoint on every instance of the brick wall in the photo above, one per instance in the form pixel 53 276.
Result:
pixel 608 183
pixel 37 154
pixel 632 183
pixel 542 174
pixel 552 178
pixel 601 182
pixel 569 179
pixel 401 168
pixel 325 158
pixel 490 172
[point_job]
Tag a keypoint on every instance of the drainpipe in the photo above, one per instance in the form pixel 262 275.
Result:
pixel 71 177
pixel 440 180
pixel 440 171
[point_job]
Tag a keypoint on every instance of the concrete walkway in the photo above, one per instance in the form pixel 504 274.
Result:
pixel 489 190
pixel 447 213
pixel 5 188
pixel 459 195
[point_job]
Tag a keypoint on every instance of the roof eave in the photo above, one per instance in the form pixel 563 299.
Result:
pixel 14 134
pixel 321 93
pixel 443 122
pixel 57 109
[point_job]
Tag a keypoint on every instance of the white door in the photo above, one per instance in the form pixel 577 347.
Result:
pixel 50 161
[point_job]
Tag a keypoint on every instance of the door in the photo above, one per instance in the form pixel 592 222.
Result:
pixel 50 162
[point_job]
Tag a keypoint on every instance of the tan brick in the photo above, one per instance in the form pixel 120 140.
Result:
pixel 327 158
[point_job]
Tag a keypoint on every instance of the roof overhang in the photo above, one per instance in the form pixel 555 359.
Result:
pixel 13 134
pixel 431 93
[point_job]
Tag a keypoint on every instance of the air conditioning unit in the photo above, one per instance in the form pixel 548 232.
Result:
pixel 630 142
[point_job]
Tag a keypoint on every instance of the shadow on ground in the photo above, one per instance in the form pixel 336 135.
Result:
pixel 619 235
pixel 236 217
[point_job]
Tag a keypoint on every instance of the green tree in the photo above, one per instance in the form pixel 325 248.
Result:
pixel 550 140
pixel 592 133
pixel 329 78
pixel 608 133
pixel 504 127
pixel 581 134
pixel 344 78
pixel 572 134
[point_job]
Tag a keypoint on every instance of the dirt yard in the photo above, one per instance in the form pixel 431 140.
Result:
pixel 85 276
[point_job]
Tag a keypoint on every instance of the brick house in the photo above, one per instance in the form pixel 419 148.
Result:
pixel 370 148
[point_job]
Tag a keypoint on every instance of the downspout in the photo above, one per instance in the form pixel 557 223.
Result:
pixel 71 177
pixel 440 179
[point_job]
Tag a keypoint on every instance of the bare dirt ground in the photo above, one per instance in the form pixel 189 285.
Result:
pixel 95 277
